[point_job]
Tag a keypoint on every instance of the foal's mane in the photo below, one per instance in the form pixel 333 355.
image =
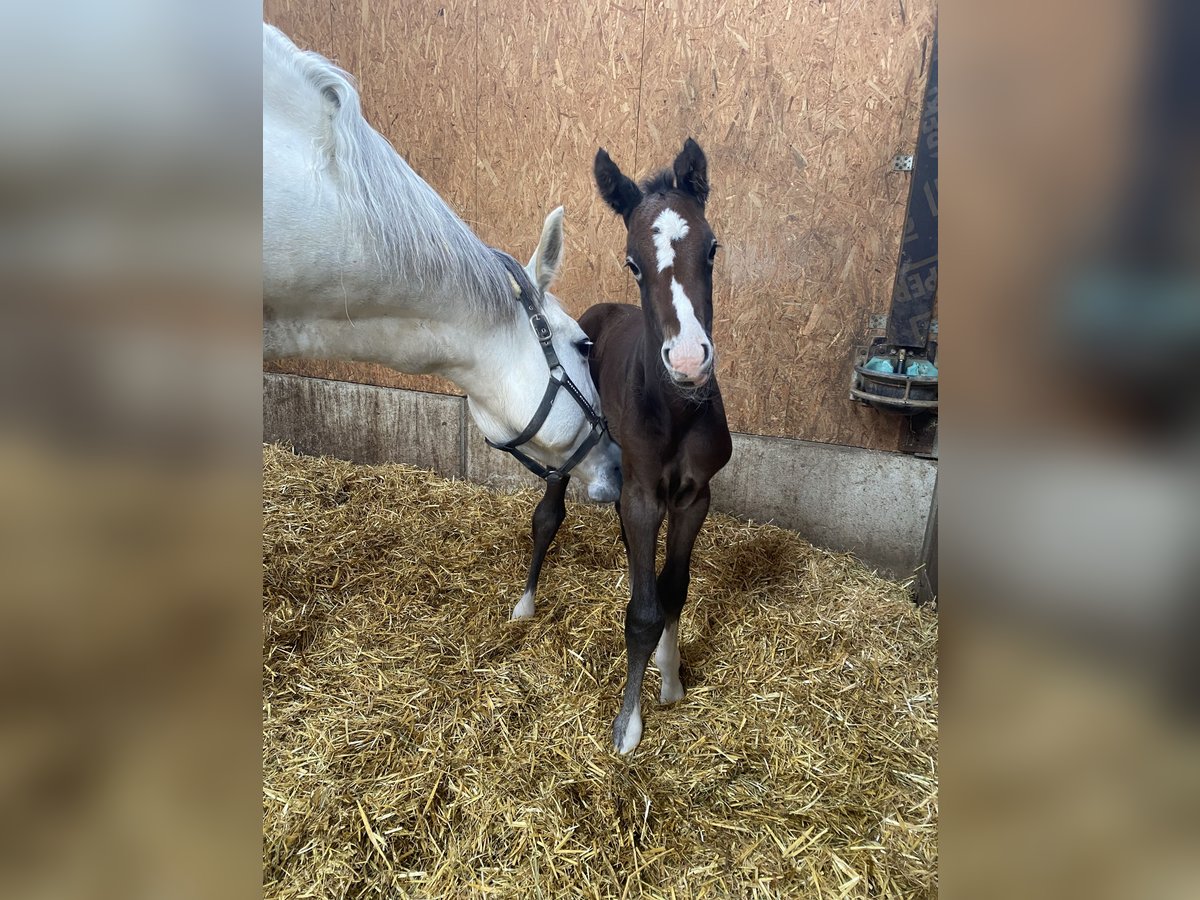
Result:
pixel 416 237
pixel 659 183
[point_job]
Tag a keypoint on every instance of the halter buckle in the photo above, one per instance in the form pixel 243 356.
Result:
pixel 541 328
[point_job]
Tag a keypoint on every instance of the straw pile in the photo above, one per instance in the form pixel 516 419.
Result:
pixel 417 743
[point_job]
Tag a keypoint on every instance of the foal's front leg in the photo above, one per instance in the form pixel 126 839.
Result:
pixel 641 515
pixel 549 515
pixel 682 528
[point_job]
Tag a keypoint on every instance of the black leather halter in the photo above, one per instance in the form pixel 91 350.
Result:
pixel 558 379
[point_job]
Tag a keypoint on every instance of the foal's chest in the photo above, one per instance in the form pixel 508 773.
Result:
pixel 686 461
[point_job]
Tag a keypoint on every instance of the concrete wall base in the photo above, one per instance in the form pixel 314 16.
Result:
pixel 870 503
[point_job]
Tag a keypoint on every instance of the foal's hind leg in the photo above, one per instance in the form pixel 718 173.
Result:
pixel 549 515
pixel 683 526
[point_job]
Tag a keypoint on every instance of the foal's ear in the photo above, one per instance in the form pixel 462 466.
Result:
pixel 616 188
pixel 691 171
pixel 547 258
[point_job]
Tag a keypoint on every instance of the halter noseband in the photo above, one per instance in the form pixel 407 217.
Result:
pixel 558 379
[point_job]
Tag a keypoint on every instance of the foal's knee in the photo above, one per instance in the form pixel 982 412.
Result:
pixel 643 627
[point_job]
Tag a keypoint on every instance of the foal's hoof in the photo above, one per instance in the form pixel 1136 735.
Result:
pixel 672 692
pixel 524 607
pixel 627 732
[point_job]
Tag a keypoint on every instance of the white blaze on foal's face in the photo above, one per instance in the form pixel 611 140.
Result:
pixel 668 228
pixel 688 353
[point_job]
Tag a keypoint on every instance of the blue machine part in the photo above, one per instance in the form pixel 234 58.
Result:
pixel 921 368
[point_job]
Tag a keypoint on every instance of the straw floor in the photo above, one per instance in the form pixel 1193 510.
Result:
pixel 418 743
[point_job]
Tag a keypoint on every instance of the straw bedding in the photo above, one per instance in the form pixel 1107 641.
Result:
pixel 418 743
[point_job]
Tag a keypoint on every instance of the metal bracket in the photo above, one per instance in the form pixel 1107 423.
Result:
pixel 878 323
pixel 902 163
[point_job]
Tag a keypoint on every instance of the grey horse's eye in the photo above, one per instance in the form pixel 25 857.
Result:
pixel 583 345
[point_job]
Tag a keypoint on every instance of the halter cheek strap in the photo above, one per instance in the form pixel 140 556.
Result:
pixel 558 379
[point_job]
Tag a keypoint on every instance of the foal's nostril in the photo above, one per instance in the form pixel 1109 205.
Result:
pixel 666 357
pixel 707 351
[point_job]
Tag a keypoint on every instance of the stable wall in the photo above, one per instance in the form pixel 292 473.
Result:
pixel 800 106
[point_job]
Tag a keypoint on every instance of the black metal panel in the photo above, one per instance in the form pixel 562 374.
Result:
pixel 927 574
pixel 917 271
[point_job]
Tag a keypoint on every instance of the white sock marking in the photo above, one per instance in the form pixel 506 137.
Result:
pixel 668 228
pixel 667 660
pixel 633 732
pixel 524 607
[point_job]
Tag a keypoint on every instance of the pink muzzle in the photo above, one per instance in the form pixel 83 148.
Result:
pixel 690 361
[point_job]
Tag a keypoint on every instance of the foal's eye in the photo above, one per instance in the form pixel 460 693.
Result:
pixel 712 252
pixel 584 346
pixel 637 273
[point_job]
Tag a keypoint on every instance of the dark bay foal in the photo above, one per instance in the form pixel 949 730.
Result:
pixel 655 370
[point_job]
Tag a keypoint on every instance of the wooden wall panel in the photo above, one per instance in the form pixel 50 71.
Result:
pixel 308 24
pixel 415 64
pixel 557 81
pixel 799 106
pixel 749 82
pixel 805 205
pixel 878 78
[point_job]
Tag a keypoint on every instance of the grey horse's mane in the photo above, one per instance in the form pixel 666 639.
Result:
pixel 416 237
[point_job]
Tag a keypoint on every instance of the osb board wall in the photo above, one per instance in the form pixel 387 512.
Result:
pixel 501 104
